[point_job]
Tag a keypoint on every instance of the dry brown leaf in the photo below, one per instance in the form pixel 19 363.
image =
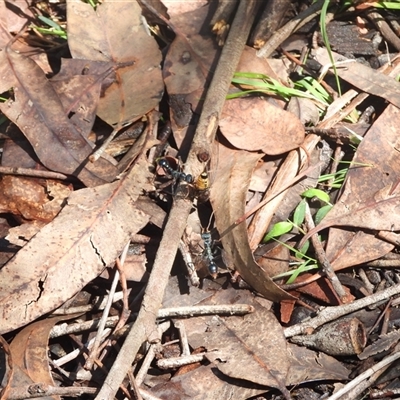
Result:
pixel 21 234
pixel 78 84
pixel 362 77
pixel 249 62
pixel 255 124
pixel 228 198
pixel 252 347
pixel 190 386
pixel 38 112
pixel 282 204
pixel 13 17
pixel 309 366
pixel 73 249
pixel 382 344
pixel 115 33
pixel 376 213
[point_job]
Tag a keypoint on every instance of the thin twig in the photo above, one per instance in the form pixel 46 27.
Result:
pixel 99 336
pixel 331 313
pixel 148 359
pixel 231 309
pixel 365 375
pixel 33 172
pixel 321 256
pixel 41 390
pixel 177 362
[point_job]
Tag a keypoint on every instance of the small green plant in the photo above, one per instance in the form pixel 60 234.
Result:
pixel 339 176
pixel 55 29
pixel 310 85
pixel 305 263
pixel 256 83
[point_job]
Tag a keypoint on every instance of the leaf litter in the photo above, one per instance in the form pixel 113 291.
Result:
pixel 72 216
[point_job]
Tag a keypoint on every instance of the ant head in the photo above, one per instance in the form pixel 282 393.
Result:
pixel 188 178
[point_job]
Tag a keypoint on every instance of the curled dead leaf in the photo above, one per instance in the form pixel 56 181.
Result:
pixel 228 198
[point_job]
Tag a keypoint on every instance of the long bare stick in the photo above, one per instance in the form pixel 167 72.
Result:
pixel 331 313
pixel 145 325
pixel 365 375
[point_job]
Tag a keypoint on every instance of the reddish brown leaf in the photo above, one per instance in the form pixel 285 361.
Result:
pixel 29 353
pixel 255 124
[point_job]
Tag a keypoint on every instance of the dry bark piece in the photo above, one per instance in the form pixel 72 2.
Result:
pixel 346 38
pixel 270 21
pixel 32 198
pixel 73 249
pixel 104 35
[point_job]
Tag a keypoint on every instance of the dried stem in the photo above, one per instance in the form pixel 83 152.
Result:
pixel 321 256
pixel 331 313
